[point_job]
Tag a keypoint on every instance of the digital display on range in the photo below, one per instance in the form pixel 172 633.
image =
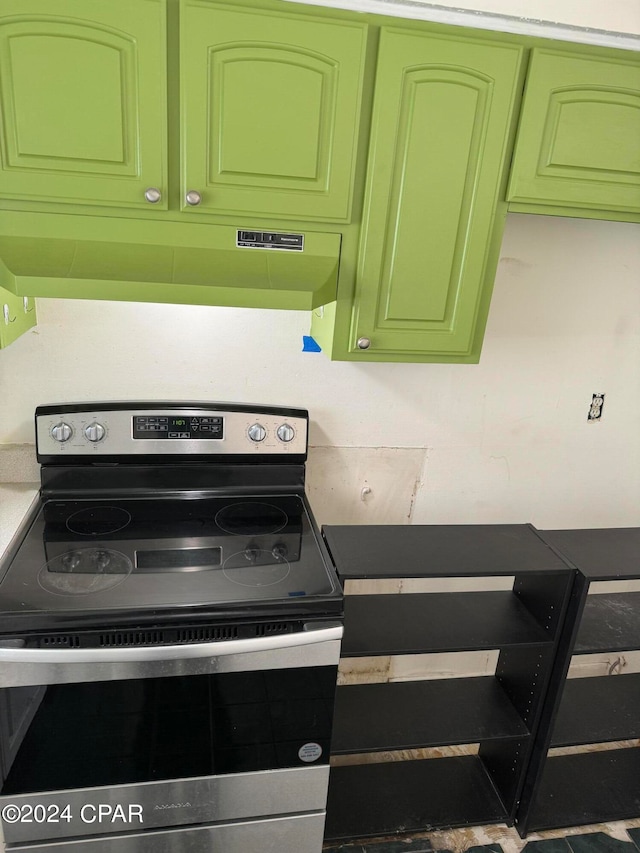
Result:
pixel 185 427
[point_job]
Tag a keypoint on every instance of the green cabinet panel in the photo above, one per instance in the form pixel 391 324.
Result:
pixel 83 101
pixel 442 114
pixel 270 104
pixel 256 115
pixel 17 315
pixel 578 143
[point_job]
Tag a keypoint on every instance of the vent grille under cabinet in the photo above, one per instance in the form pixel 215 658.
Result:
pixel 164 636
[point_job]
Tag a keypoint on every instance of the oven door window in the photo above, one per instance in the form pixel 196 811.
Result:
pixel 67 736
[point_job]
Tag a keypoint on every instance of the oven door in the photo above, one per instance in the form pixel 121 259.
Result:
pixel 228 741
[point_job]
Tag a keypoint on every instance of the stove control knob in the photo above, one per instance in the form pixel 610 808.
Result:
pixel 71 560
pixel 257 432
pixel 285 432
pixel 102 560
pixel 279 551
pixel 94 432
pixel 61 432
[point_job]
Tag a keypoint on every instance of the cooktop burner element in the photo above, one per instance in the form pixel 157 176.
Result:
pixel 98 521
pixel 254 567
pixel 251 519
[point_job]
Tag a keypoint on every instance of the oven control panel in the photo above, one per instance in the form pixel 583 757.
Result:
pixel 231 429
pixel 181 427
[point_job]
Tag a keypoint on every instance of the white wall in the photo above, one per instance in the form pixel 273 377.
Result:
pixel 598 22
pixel 618 16
pixel 503 441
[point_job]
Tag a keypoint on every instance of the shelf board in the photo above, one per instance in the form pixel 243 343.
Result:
pixel 598 709
pixel 438 550
pixel 588 787
pixel 412 714
pixel 610 622
pixel 437 622
pixel 609 553
pixel 383 799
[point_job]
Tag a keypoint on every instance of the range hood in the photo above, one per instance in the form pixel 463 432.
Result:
pixel 86 257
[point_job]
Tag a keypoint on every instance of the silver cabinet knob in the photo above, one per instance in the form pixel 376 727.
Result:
pixel 152 195
pixel 285 432
pixel 94 432
pixel 193 198
pixel 257 432
pixel 61 432
pixel 364 343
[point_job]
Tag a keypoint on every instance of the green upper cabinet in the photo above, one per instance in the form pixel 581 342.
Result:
pixel 269 105
pixel 82 101
pixel 432 216
pixel 578 142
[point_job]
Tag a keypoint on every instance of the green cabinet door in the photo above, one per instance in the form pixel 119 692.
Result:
pixel 578 142
pixel 442 114
pixel 83 101
pixel 270 105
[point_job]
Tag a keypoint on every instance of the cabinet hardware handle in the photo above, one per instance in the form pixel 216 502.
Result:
pixel 364 343
pixel 25 305
pixel 152 195
pixel 6 313
pixel 193 198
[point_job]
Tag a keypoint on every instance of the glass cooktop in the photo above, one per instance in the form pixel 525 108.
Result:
pixel 141 554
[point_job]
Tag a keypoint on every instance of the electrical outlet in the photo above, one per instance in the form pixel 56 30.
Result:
pixel 595 410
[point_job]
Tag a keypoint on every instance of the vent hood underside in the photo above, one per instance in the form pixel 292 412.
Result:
pixel 82 257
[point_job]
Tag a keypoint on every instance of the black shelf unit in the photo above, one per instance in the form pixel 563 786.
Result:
pixel 592 785
pixel 394 797
pixel 499 712
pixel 439 622
pixel 443 712
pixel 610 622
pixel 597 710
pixel 589 787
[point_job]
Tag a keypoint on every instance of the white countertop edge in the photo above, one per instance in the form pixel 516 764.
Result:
pixel 15 501
pixel 485 21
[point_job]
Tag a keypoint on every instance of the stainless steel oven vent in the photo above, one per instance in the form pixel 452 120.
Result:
pixel 163 636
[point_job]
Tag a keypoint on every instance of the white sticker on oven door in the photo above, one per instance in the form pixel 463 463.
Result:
pixel 310 752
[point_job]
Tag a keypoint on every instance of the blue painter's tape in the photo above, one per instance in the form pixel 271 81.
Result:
pixel 310 345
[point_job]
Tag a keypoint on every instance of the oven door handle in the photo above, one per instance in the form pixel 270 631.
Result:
pixel 310 636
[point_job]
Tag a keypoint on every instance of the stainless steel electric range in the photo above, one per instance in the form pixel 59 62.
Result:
pixel 170 628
